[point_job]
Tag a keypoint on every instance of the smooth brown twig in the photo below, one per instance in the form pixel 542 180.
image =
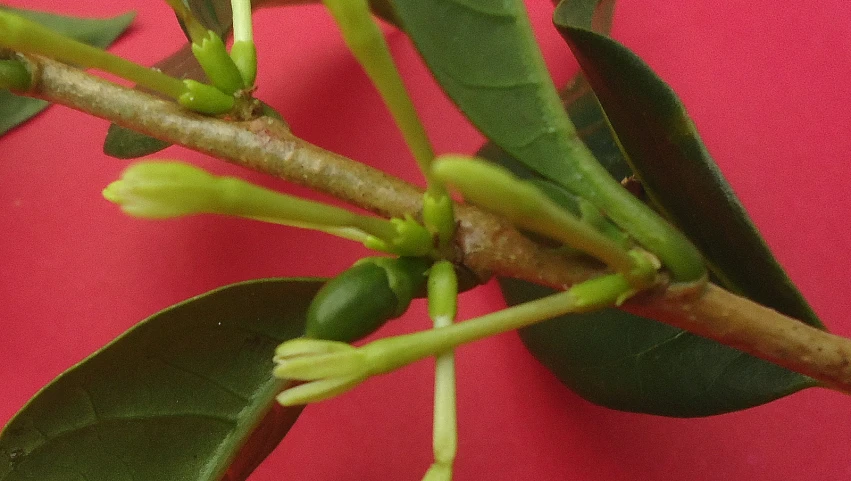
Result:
pixel 485 243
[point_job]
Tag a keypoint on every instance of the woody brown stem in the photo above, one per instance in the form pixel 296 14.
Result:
pixel 485 243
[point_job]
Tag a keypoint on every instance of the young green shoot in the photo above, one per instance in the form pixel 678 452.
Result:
pixel 18 33
pixel 443 307
pixel 364 38
pixel 161 190
pixel 194 29
pixel 217 64
pixel 243 51
pixel 331 368
pixel 498 190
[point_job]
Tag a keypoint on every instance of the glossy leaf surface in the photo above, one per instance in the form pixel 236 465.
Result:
pixel 177 397
pixel 631 363
pixel 665 151
pixel 15 109
pixel 624 361
pixel 484 55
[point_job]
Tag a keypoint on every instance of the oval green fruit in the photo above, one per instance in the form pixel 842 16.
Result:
pixel 364 297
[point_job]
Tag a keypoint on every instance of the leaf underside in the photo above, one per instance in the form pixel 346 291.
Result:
pixel 14 109
pixel 178 397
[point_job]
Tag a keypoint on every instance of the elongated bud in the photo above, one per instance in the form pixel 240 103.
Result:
pixel 205 99
pixel 217 64
pixel 244 56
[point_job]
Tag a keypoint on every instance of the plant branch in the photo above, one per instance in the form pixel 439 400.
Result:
pixel 485 243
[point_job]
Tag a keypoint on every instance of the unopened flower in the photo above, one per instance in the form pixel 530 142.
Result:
pixel 329 367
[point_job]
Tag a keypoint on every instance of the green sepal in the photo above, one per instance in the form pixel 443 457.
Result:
pixel 217 64
pixel 439 217
pixel 406 277
pixel 410 239
pixel 205 99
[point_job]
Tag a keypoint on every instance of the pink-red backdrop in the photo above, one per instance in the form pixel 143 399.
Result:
pixel 767 87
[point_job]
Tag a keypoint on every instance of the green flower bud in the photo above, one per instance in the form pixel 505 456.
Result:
pixel 410 239
pixel 364 297
pixel 205 99
pixel 217 64
pixel 244 56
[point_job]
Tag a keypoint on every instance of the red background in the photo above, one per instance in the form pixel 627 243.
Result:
pixel 767 87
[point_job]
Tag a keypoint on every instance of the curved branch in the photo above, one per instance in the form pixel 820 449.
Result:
pixel 485 243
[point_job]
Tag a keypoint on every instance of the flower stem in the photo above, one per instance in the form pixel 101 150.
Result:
pixel 24 35
pixel 394 352
pixel 442 303
pixel 496 189
pixel 365 40
pixel 243 52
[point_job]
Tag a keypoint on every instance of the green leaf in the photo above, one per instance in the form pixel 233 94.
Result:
pixel 665 151
pixel 175 398
pixel 14 109
pixel 631 363
pixel 484 55
pixel 124 143
pixel 627 362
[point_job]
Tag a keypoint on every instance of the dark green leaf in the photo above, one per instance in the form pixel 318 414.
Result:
pixel 175 398
pixel 14 109
pixel 484 55
pixel 124 143
pixel 665 151
pixel 631 363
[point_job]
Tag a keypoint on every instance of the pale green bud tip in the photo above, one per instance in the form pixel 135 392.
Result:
pixel 438 215
pixel 488 185
pixel 244 56
pixel 205 99
pixel 159 190
pixel 217 64
pixel 329 367
pixel 410 239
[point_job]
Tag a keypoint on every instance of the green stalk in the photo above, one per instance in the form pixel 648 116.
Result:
pixel 442 307
pixel 497 189
pixel 18 33
pixel 194 29
pixel 243 52
pixel 161 190
pixel 363 37
pixel 587 178
pixel 332 368
pixel 392 353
